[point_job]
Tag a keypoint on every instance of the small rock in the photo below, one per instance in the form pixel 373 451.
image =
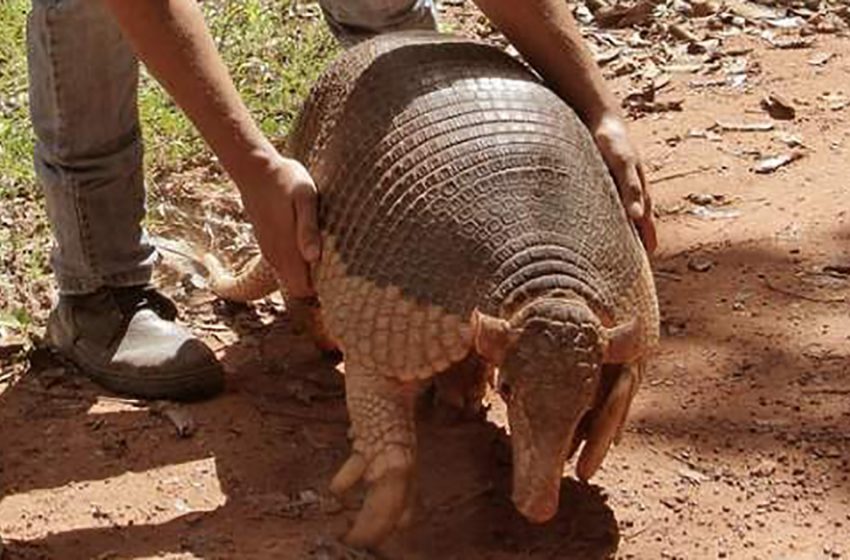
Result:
pixel 700 264
pixel 178 415
pixel 820 59
pixel 181 505
pixel 764 469
pixel 701 199
pixel 778 107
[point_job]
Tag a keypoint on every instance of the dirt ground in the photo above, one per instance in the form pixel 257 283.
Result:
pixel 739 441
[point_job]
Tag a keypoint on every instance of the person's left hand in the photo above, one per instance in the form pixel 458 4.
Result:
pixel 624 163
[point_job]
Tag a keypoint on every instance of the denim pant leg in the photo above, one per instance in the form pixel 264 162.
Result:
pixel 88 154
pixel 355 20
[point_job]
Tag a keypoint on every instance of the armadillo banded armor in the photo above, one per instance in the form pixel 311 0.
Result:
pixel 451 179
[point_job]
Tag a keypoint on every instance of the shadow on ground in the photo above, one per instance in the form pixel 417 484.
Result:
pixel 276 437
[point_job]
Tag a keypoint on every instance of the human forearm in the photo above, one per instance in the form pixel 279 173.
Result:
pixel 546 34
pixel 173 41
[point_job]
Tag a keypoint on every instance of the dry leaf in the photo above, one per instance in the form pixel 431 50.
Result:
pixel 743 127
pixel 771 164
pixel 778 107
pixel 820 59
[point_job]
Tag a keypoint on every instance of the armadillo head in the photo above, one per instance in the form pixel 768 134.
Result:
pixel 550 357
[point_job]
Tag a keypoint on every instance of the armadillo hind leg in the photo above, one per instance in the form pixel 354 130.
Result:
pixel 464 384
pixel 381 409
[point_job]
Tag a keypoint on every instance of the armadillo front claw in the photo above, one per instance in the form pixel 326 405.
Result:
pixel 386 507
pixel 607 425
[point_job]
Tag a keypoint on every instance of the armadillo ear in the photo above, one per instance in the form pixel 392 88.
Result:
pixel 623 343
pixel 492 337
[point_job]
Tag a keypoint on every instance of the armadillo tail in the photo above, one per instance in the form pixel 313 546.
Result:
pixel 255 281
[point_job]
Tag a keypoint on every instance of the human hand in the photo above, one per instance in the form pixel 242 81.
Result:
pixel 625 166
pixel 282 204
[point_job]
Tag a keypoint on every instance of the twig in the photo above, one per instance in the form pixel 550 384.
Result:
pixel 826 391
pixel 791 293
pixel 136 403
pixel 668 275
pixel 677 175
pixel 640 531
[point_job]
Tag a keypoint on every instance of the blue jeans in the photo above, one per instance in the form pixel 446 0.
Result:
pixel 88 154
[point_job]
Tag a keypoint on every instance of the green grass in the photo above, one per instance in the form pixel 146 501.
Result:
pixel 15 135
pixel 273 56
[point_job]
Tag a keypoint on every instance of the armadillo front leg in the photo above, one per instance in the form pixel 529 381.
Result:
pixel 464 384
pixel 383 454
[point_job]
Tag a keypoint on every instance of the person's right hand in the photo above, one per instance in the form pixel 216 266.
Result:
pixel 283 208
pixel 626 168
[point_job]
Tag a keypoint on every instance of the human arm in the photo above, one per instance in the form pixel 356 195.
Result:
pixel 546 35
pixel 280 198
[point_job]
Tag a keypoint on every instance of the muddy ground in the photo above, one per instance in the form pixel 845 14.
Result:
pixel 739 441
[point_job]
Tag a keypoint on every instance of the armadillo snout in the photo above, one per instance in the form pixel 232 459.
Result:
pixel 537 505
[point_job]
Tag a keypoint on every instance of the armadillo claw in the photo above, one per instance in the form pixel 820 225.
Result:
pixel 382 511
pixel 347 476
pixel 389 501
pixel 606 426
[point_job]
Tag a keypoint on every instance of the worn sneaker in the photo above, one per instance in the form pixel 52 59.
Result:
pixel 125 339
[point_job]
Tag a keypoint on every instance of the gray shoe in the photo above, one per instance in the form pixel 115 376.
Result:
pixel 125 339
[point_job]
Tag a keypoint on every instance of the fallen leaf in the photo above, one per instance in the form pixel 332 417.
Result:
pixel 680 32
pixel 712 82
pixel 712 213
pixel 625 16
pixel 771 164
pixel 743 127
pixel 790 43
pixel 778 107
pixel 704 8
pixel 656 106
pixel 693 476
pixel 820 59
pixel 750 10
pixel 790 140
pixel 683 68
pixel 786 22
pixel 842 269
pixel 605 57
